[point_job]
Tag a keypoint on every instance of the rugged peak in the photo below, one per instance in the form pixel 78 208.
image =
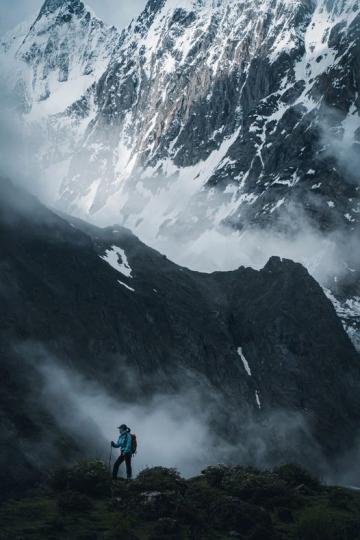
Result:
pixel 50 6
pixel 275 262
pixel 66 43
pixel 64 7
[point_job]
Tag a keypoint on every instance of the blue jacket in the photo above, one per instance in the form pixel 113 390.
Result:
pixel 124 443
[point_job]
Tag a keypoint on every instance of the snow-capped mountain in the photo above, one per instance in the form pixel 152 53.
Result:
pixel 204 114
pixel 244 96
pixel 58 56
pixel 234 94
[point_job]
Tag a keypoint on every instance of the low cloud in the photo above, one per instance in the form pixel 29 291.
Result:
pixel 185 430
pixel 340 140
pixel 172 430
pixel 223 249
pixel 117 13
pixel 12 13
pixel 20 144
pixel 168 220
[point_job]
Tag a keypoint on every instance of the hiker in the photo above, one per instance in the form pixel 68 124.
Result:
pixel 126 444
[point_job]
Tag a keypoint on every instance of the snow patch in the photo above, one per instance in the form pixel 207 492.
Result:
pixel 117 259
pixel 126 286
pixel 348 310
pixel 244 361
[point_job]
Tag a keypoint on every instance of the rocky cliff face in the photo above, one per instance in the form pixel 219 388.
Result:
pixel 203 114
pixel 263 342
pixel 57 57
pixel 269 101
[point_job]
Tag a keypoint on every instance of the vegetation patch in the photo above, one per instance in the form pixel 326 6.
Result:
pixel 83 503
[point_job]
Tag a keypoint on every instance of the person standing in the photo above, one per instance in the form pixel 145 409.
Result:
pixel 125 444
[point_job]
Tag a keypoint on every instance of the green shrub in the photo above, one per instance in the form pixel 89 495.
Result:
pixel 166 529
pixel 56 523
pixel 284 514
pixel 73 501
pixel 87 535
pixel 91 477
pixel 58 480
pixel 295 475
pixel 254 486
pixel 215 474
pixel 158 479
pixel 260 532
pixel 231 513
pixel 88 476
pixel 321 524
pixel 120 490
pixel 338 498
pixel 196 506
pixel 120 535
pixel 152 505
pixel 121 530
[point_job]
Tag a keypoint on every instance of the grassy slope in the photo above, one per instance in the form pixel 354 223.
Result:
pixel 222 503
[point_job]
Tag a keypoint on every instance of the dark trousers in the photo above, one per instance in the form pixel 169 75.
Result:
pixel 119 461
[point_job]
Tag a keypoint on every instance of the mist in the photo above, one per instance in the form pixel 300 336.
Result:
pixel 185 430
pixel 222 249
pixel 117 13
pixel 172 431
pixel 340 140
pixel 164 221
pixel 169 220
pixel 20 146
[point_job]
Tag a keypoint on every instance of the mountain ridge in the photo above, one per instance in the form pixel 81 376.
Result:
pixel 260 348
pixel 198 121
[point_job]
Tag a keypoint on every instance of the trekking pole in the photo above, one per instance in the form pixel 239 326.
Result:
pixel 110 459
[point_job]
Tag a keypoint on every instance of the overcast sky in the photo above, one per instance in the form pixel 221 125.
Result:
pixel 117 12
